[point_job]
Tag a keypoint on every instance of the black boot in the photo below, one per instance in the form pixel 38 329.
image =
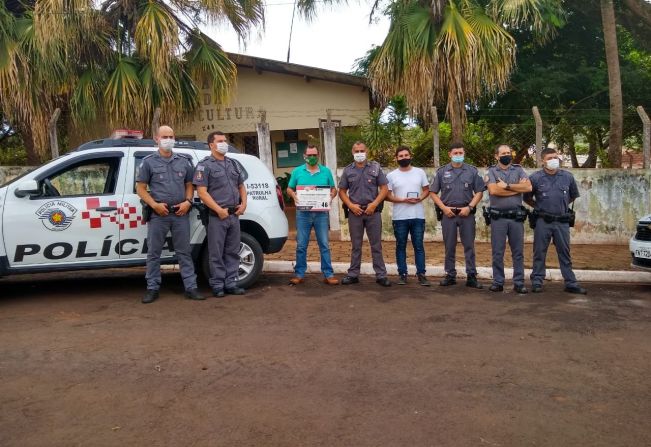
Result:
pixel 471 281
pixel 448 281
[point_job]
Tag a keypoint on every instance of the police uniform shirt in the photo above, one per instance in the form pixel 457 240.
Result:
pixel 222 178
pixel 362 183
pixel 457 185
pixel 511 175
pixel 553 192
pixel 166 176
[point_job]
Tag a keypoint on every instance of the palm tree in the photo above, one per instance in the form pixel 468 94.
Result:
pixel 115 60
pixel 454 51
pixel 614 83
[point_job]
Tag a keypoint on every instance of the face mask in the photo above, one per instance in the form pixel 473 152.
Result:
pixel 457 159
pixel 312 160
pixel 222 148
pixel 553 164
pixel 404 162
pixel 167 144
pixel 359 157
pixel 506 159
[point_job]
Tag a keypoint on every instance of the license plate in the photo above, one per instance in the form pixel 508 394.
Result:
pixel 643 253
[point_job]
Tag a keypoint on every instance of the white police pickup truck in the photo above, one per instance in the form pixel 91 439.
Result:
pixel 81 211
pixel 640 244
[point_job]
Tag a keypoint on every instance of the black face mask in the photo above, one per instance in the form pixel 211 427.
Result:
pixel 505 159
pixel 404 162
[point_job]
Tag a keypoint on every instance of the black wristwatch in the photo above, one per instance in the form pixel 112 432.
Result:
pixel 471 207
pixel 189 201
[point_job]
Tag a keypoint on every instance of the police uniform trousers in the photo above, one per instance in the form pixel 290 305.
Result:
pixel 466 229
pixel 373 226
pixel 157 229
pixel 542 235
pixel 223 251
pixel 500 230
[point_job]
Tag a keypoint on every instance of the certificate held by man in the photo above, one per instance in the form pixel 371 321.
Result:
pixel 313 198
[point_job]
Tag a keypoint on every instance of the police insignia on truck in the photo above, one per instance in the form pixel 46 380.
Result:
pixel 56 215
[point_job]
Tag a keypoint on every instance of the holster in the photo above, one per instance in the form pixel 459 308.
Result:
pixel 533 217
pixel 439 213
pixel 203 213
pixel 571 217
pixel 146 211
pixel 487 215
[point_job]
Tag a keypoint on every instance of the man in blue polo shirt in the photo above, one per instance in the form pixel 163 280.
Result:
pixel 312 174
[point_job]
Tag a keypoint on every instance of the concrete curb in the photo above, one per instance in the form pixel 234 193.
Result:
pixel 340 268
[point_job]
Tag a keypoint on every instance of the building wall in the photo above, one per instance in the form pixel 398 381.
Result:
pixel 290 102
pixel 611 202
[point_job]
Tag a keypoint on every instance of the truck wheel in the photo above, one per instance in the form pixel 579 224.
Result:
pixel 251 261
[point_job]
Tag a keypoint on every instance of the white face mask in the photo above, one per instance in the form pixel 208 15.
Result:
pixel 167 144
pixel 553 164
pixel 222 147
pixel 360 157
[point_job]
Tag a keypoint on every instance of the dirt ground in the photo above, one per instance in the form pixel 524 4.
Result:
pixel 589 257
pixel 83 363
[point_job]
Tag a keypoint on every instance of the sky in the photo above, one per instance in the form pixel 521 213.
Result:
pixel 333 40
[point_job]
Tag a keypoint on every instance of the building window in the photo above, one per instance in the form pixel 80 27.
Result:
pixel 291 135
pixel 250 144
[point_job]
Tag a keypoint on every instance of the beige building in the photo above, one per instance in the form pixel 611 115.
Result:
pixel 294 100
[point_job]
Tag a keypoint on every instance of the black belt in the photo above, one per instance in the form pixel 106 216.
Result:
pixel 231 210
pixel 549 217
pixel 518 214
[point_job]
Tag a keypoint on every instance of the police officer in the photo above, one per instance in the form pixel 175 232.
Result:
pixel 506 184
pixel 553 190
pixel 220 185
pixel 363 188
pixel 461 189
pixel 169 177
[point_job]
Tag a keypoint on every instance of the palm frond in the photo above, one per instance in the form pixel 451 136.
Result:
pixel 123 92
pixel 156 37
pixel 242 15
pixel 207 64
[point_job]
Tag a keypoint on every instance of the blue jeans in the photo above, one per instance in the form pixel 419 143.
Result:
pixel 402 228
pixel 305 220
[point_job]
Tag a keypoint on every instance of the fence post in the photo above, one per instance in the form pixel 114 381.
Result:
pixel 435 138
pixel 539 129
pixel 330 150
pixel 52 132
pixel 264 141
pixel 646 136
pixel 155 122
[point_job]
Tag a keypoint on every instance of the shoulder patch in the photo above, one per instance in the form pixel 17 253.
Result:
pixel 200 168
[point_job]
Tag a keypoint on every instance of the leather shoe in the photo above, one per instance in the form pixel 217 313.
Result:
pixel 448 281
pixel 349 280
pixel 150 296
pixel 218 293
pixel 384 282
pixel 471 281
pixel 496 288
pixel 536 289
pixel 193 294
pixel 331 281
pixel 577 290
pixel 520 289
pixel 234 291
pixel 422 280
pixel 296 281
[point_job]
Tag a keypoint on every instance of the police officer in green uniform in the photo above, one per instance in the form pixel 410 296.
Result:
pixel 553 190
pixel 220 186
pixel 169 178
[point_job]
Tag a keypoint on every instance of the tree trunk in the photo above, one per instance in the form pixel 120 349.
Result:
pixel 591 161
pixel 33 156
pixel 572 148
pixel 614 83
pixel 456 119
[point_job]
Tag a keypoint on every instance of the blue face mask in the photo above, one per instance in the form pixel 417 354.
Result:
pixel 457 159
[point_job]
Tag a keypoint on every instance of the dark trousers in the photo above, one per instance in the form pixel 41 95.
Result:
pixel 223 251
pixel 157 229
pixel 373 226
pixel 402 229
pixel 501 229
pixel 465 227
pixel 560 234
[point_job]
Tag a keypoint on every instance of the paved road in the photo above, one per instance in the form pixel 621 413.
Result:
pixel 82 362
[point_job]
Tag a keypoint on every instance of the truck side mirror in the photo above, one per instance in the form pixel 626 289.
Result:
pixel 27 188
